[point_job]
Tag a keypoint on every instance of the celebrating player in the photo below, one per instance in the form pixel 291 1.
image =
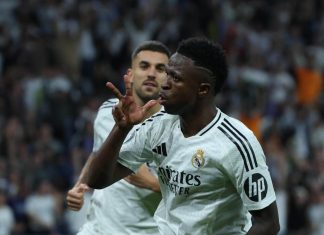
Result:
pixel 212 170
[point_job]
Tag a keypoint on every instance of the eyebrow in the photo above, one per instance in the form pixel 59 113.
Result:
pixel 160 65
pixel 143 62
pixel 156 65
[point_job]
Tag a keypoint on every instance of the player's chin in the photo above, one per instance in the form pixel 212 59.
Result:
pixel 150 95
pixel 150 89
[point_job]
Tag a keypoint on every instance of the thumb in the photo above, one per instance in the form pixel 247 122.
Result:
pixel 83 188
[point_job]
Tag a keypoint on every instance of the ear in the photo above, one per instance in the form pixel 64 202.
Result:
pixel 130 74
pixel 204 89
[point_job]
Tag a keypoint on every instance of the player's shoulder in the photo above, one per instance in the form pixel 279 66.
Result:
pixel 237 138
pixel 105 110
pixel 234 126
pixel 106 107
pixel 160 118
pixel 108 104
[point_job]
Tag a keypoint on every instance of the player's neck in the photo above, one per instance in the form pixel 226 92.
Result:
pixel 156 108
pixel 193 122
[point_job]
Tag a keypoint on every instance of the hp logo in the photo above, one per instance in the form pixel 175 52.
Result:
pixel 256 187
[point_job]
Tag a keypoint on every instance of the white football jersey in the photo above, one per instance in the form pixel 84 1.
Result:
pixel 209 181
pixel 121 208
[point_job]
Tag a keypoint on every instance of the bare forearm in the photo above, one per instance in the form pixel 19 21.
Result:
pixel 143 178
pixel 84 172
pixel 155 186
pixel 264 229
pixel 265 221
pixel 102 166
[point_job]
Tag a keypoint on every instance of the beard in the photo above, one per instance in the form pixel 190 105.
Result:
pixel 147 95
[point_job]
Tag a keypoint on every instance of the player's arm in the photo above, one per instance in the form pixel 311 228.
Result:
pixel 250 176
pixel 144 179
pixel 75 196
pixel 265 221
pixel 102 125
pixel 104 168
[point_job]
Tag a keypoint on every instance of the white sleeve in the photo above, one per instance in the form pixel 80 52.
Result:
pixel 136 149
pixel 249 173
pixel 103 124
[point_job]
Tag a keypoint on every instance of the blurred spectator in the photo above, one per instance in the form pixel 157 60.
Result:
pixel 41 209
pixel 277 156
pixel 17 200
pixel 7 220
pixel 309 81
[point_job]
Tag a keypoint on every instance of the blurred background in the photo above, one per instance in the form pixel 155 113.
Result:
pixel 56 56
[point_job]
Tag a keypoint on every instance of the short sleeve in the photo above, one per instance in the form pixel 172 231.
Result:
pixel 136 149
pixel 246 166
pixel 103 124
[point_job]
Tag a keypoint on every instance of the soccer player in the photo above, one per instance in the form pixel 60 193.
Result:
pixel 212 169
pixel 128 206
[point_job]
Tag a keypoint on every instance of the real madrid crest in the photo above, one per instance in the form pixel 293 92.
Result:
pixel 198 159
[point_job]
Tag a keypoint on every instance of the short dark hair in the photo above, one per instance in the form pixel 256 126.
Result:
pixel 207 54
pixel 151 45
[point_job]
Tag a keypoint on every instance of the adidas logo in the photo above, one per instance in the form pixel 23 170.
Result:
pixel 161 149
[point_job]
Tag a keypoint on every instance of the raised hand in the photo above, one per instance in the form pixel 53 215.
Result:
pixel 127 113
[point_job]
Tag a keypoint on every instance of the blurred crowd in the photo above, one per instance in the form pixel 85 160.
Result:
pixel 56 56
